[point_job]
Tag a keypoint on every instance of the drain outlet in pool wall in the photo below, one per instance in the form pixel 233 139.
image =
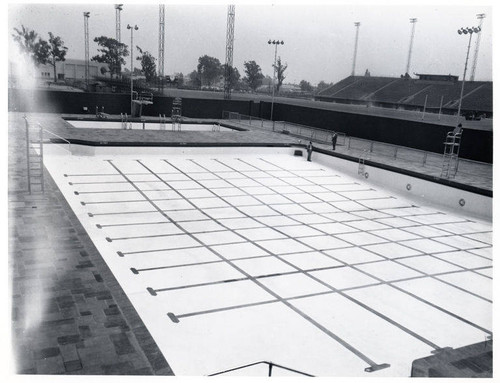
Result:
pixel 461 202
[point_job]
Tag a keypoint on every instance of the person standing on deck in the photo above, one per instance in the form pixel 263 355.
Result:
pixel 334 140
pixel 309 151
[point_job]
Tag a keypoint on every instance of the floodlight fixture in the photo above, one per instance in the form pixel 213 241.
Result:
pixel 465 31
pixel 132 66
pixel 275 43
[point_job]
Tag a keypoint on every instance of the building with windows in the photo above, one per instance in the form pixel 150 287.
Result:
pixel 70 69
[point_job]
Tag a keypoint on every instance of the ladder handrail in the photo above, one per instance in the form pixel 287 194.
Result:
pixel 58 136
pixel 449 168
pixel 270 364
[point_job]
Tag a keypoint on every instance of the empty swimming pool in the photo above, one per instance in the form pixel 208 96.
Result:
pixel 100 124
pixel 232 256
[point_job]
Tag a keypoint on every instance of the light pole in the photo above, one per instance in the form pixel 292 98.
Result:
pixel 132 66
pixel 86 16
pixel 480 16
pixel 118 8
pixel 275 43
pixel 465 31
pixel 412 22
pixel 356 24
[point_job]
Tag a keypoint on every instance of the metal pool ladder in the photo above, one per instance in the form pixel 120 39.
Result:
pixel 450 155
pixel 124 119
pixel 34 157
pixel 361 162
pixel 177 114
pixel 163 121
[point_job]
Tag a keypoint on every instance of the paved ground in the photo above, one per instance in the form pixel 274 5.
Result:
pixel 69 315
pixel 80 320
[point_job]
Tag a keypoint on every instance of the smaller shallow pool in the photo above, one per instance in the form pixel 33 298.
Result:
pixel 147 126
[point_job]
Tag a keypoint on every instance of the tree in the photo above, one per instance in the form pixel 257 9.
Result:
pixel 305 86
pixel 180 78
pixel 322 86
pixel 234 75
pixel 194 79
pixel 57 52
pixel 209 70
pixel 253 73
pixel 148 64
pixel 280 73
pixel 112 53
pixel 37 51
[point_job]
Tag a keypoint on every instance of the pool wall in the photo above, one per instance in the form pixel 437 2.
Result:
pixel 137 124
pixel 455 200
pixel 85 150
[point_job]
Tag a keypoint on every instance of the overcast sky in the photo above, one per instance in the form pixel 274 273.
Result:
pixel 319 38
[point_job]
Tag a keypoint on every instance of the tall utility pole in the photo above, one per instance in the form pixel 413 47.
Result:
pixel 275 43
pixel 356 24
pixel 118 8
pixel 465 31
pixel 86 16
pixel 229 51
pixel 161 42
pixel 132 66
pixel 480 16
pixel 413 22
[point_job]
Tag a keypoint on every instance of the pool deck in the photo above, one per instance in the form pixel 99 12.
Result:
pixel 69 315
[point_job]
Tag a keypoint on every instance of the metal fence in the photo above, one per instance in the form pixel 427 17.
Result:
pixel 324 136
pixel 303 131
pixel 358 146
pixel 367 149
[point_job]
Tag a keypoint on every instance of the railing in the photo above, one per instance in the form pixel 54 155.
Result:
pixel 142 96
pixel 303 131
pixel 415 156
pixel 314 134
pixel 269 369
pixel 356 146
pixel 59 137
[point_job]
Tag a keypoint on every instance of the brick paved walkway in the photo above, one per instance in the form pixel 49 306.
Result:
pixel 69 315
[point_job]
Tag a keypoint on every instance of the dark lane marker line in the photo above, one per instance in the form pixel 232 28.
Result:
pixel 372 365
pixel 396 287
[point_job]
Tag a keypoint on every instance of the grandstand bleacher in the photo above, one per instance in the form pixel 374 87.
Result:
pixel 429 91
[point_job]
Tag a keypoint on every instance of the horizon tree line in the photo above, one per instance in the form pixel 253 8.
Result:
pixel 209 70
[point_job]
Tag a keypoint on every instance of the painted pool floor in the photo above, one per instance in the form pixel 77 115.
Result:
pixel 236 259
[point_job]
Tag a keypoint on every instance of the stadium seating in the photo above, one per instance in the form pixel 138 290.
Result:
pixel 411 93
